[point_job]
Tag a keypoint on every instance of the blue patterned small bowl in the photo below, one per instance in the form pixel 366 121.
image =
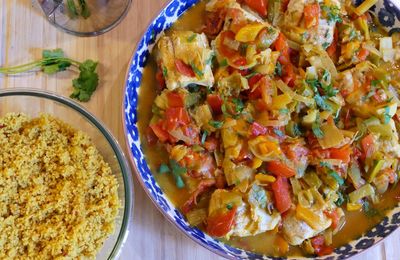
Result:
pixel 388 15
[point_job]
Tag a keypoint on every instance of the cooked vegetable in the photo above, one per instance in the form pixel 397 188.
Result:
pixel 284 125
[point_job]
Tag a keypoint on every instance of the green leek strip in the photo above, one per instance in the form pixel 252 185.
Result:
pixel 177 171
pixel 375 170
pixel 364 7
pixel 364 191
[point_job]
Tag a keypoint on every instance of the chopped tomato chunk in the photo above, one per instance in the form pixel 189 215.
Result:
pixel 175 99
pixel 219 224
pixel 183 68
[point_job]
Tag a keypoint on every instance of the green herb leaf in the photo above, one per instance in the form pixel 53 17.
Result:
pixel 229 206
pixel 223 63
pixel 164 71
pixel 191 37
pixel 326 75
pixel 329 91
pixel 279 132
pixel 283 111
pixel 177 171
pixel 386 115
pixel 239 106
pixel 198 72
pixel 204 136
pixel 216 124
pixel 339 202
pixel 325 45
pixel 326 164
pixel 336 176
pixel 278 69
pixel 316 129
pixel 375 83
pixel 163 168
pixel 56 53
pixel 87 82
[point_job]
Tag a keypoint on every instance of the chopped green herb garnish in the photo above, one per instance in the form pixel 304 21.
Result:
pixel 216 124
pixel 325 164
pixel 191 38
pixel 341 199
pixel 239 106
pixel 283 111
pixel 352 34
pixel 163 168
pixel 229 206
pixel 316 129
pixel 278 69
pixel 326 75
pixel 279 132
pixel 74 12
pixel 223 63
pixel 164 71
pixel 386 115
pixel 198 72
pixel 375 83
pixel 329 91
pixel 177 171
pixel 333 13
pixel 325 45
pixel 204 136
pixel 336 176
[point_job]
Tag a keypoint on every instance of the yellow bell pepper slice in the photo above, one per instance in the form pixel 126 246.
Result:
pixel 353 206
pixel 249 32
pixel 308 216
pixel 265 178
pixel 280 101
pixel 256 163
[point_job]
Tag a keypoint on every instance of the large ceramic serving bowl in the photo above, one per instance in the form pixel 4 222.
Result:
pixel 34 102
pixel 388 15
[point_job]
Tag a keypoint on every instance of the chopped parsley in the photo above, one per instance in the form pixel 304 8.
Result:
pixel 216 124
pixel 386 115
pixel 326 75
pixel 336 176
pixel 204 136
pixel 279 133
pixel 196 70
pixel 177 171
pixel 164 71
pixel 352 34
pixel 284 111
pixel 239 106
pixel 333 13
pixel 329 90
pixel 341 199
pixel 223 63
pixel 325 45
pixel 316 129
pixel 375 83
pixel 229 206
pixel 278 69
pixel 191 38
pixel 163 168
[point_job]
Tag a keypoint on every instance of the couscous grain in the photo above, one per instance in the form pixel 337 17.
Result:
pixel 58 196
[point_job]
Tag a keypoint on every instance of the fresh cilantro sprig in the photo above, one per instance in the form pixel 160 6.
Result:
pixel 54 61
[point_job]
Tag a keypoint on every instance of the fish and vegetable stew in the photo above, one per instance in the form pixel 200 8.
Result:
pixel 273 125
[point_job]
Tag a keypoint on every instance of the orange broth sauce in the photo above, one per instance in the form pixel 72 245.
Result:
pixel 356 223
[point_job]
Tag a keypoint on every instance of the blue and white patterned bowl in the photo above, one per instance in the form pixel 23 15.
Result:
pixel 388 15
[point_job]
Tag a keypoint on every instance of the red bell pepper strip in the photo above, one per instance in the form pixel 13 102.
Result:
pixel 259 6
pixel 175 99
pixel 311 15
pixel 215 103
pixel 279 168
pixel 280 188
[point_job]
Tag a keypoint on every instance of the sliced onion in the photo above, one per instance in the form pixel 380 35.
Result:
pixel 285 89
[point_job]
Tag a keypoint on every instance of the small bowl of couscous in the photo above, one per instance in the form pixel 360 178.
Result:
pixel 66 185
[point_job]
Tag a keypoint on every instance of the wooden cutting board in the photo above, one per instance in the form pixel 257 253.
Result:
pixel 24 32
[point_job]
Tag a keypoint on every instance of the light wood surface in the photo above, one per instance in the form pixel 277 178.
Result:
pixel 24 32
